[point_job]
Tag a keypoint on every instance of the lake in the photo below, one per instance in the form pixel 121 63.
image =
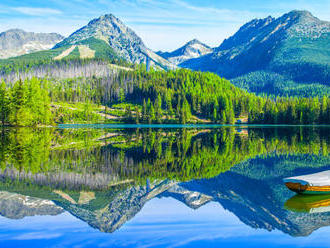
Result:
pixel 161 186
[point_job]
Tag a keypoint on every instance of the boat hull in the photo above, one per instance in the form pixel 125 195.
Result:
pixel 306 189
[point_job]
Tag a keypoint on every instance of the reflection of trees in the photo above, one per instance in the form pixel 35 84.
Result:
pixel 181 154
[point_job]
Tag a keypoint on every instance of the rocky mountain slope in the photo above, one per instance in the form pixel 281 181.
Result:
pixel 292 49
pixel 15 42
pixel 109 36
pixel 192 49
pixel 17 206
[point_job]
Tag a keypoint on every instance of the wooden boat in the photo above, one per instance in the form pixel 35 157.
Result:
pixel 309 203
pixel 317 183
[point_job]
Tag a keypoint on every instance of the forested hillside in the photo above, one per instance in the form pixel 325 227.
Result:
pixel 139 96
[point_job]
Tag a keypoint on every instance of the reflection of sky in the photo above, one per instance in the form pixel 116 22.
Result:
pixel 162 222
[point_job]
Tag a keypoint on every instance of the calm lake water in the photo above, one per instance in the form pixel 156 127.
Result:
pixel 161 186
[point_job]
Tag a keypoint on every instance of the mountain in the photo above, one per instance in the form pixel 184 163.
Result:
pixel 192 49
pixel 108 36
pixel 109 209
pixel 264 206
pixel 15 42
pixel 269 55
pixel 17 206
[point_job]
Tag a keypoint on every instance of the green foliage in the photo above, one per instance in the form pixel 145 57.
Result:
pixel 28 61
pixel 76 113
pixel 189 93
pixel 267 82
pixel 25 104
pixel 180 96
pixel 102 50
pixel 4 104
pixel 304 60
pixel 291 111
pixel 181 154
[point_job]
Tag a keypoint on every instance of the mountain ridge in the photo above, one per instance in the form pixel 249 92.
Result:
pixel 295 46
pixel 15 42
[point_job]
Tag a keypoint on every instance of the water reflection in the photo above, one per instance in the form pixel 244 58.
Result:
pixel 309 203
pixel 105 177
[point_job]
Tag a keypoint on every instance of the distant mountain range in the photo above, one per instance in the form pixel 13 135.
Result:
pixel 289 55
pixel 15 42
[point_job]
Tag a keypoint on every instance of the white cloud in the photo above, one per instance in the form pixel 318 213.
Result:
pixel 37 11
pixel 37 235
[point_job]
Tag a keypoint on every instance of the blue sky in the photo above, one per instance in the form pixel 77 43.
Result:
pixel 162 24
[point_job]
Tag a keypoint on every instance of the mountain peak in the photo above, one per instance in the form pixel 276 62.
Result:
pixel 108 16
pixel 113 32
pixel 192 49
pixel 300 13
pixel 302 23
pixel 196 42
pixel 193 41
pixel 115 36
pixel 300 16
pixel 105 18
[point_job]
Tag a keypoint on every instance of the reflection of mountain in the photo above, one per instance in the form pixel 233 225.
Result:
pixel 120 206
pixel 192 199
pixel 103 184
pixel 252 190
pixel 258 201
pixel 16 206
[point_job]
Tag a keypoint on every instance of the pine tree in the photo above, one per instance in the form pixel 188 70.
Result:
pixel 4 103
pixel 151 114
pixel 144 110
pixel 121 95
pixel 137 115
pixel 323 113
pixel 223 119
pixel 20 114
pixel 169 104
pixel 158 108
